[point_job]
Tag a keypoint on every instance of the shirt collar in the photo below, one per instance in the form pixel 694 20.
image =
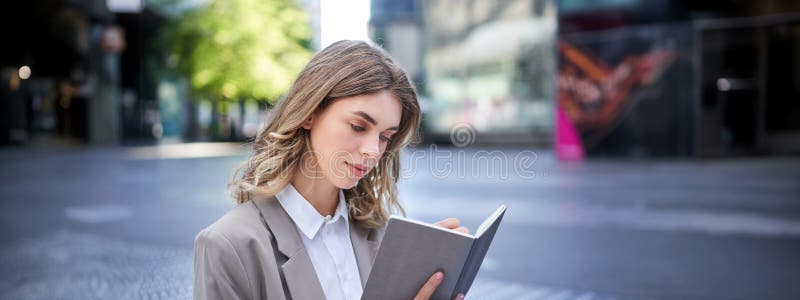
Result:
pixel 304 215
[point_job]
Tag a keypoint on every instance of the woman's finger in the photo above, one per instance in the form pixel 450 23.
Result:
pixel 450 223
pixel 462 229
pixel 429 287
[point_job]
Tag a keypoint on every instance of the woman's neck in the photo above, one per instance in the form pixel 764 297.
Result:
pixel 317 190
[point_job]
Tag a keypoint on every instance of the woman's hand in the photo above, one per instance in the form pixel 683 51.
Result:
pixel 429 287
pixel 452 223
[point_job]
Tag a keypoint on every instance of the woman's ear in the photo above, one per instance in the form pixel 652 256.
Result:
pixel 309 121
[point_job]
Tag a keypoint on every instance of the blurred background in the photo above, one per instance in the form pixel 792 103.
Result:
pixel 645 149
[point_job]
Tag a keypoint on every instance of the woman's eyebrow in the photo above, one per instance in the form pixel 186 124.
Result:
pixel 369 118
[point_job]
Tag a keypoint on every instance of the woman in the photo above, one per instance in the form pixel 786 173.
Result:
pixel 315 196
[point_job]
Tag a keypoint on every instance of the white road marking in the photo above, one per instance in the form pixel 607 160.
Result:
pixel 561 214
pixel 497 289
pixel 99 213
pixel 188 150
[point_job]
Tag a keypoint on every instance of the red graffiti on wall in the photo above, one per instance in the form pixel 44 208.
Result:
pixel 593 94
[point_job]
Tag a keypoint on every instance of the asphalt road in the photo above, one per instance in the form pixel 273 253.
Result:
pixel 118 223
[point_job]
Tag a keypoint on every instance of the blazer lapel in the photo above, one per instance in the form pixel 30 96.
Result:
pixel 365 246
pixel 301 278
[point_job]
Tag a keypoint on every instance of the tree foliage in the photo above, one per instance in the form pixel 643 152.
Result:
pixel 240 49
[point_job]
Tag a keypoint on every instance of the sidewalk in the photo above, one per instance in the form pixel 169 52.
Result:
pixel 99 223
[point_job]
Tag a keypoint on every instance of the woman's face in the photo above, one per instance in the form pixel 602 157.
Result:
pixel 350 135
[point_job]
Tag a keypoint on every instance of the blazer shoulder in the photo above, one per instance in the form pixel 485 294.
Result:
pixel 239 225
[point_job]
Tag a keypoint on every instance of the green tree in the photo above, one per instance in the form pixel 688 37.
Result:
pixel 239 49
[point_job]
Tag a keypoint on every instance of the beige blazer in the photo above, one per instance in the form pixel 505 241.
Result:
pixel 255 252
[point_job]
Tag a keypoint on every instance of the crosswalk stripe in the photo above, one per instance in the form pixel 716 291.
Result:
pixel 498 289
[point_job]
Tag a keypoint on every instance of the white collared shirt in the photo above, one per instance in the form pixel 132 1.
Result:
pixel 327 241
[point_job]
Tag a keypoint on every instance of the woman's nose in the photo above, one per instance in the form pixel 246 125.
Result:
pixel 371 147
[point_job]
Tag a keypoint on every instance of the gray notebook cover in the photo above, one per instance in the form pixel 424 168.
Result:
pixel 411 251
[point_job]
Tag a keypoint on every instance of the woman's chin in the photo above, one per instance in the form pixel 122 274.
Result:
pixel 346 183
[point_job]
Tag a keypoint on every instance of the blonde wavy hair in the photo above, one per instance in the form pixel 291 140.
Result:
pixel 343 69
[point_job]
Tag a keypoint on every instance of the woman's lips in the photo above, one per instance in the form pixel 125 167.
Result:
pixel 358 170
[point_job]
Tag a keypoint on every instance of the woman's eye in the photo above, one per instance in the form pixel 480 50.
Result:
pixel 386 139
pixel 357 128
